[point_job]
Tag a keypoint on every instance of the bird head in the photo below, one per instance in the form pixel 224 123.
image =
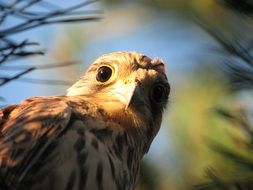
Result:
pixel 130 87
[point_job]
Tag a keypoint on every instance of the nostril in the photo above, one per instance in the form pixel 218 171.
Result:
pixel 128 81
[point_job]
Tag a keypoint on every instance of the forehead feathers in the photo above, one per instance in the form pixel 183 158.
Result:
pixel 129 62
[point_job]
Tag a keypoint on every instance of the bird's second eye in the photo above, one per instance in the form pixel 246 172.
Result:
pixel 104 73
pixel 159 93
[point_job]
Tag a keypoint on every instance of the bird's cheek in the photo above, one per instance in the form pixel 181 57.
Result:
pixel 113 106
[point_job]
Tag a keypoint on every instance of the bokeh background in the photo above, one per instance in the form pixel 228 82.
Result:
pixel 183 34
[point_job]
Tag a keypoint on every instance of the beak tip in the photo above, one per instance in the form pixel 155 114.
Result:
pixel 126 107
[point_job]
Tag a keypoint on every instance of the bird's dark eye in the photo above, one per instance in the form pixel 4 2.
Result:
pixel 104 73
pixel 159 93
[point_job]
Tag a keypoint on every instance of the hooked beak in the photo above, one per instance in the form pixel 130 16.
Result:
pixel 126 92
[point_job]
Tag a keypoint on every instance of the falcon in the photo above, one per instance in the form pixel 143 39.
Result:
pixel 94 137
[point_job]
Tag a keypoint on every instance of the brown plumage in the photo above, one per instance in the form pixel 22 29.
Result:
pixel 92 138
